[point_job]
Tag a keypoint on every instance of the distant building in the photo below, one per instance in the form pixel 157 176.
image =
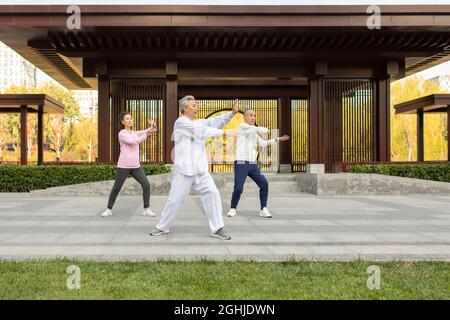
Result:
pixel 15 70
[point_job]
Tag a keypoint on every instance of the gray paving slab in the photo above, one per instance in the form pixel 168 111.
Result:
pixel 303 227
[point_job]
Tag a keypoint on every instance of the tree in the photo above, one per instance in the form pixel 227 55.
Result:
pixel 403 126
pixel 85 138
pixel 58 128
pixel 31 133
pixel 3 132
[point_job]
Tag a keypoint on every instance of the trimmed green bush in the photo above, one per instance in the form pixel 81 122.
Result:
pixel 15 178
pixel 435 172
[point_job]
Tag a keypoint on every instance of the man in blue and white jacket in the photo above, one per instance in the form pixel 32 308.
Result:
pixel 245 165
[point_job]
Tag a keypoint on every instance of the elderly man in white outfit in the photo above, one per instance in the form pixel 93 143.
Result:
pixel 191 167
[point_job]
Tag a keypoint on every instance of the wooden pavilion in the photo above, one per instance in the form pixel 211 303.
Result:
pixel 434 103
pixel 30 103
pixel 316 73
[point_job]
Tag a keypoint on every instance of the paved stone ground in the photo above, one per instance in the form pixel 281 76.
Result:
pixel 303 227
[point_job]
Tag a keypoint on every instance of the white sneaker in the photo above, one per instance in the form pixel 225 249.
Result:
pixel 148 213
pixel 231 213
pixel 107 213
pixel 265 213
pixel 221 234
pixel 157 232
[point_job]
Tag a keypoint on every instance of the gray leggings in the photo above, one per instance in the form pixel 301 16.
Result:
pixel 121 176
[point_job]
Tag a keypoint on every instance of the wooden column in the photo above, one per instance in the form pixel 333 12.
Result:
pixel 171 110
pixel 390 69
pixel 420 145
pixel 338 153
pixel 104 112
pixel 448 132
pixel 104 121
pixel 23 134
pixel 316 105
pixel 284 127
pixel 40 135
pixel 383 120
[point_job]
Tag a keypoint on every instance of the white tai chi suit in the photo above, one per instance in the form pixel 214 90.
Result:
pixel 191 168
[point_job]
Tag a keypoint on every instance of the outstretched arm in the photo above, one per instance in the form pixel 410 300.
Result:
pixel 152 128
pixel 126 138
pixel 264 143
pixel 141 132
pixel 219 121
pixel 192 130
pixel 246 129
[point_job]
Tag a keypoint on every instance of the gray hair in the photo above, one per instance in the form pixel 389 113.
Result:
pixel 184 102
pixel 248 110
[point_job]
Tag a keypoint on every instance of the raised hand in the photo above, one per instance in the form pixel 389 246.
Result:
pixel 283 138
pixel 235 106
pixel 152 126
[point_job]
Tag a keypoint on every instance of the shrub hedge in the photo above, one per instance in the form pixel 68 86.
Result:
pixel 16 178
pixel 435 172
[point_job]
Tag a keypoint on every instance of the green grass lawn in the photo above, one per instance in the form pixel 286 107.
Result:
pixel 223 280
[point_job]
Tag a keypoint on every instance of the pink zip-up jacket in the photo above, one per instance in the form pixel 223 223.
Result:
pixel 129 148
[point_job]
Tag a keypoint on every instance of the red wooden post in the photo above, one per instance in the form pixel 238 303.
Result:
pixel 104 126
pixel 23 134
pixel 383 130
pixel 40 136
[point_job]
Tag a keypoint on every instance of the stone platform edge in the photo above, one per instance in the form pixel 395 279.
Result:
pixel 320 184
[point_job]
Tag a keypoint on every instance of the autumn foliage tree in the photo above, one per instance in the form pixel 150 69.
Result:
pixel 55 125
pixel 403 126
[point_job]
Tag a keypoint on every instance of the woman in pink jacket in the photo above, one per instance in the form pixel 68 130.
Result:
pixel 128 162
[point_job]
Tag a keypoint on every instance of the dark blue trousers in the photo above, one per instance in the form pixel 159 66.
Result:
pixel 241 171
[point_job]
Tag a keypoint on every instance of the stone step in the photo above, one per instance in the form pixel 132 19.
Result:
pixel 160 185
pixel 276 187
pixel 317 184
pixel 271 177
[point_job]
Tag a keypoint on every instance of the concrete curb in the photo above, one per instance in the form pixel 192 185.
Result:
pixel 160 185
pixel 367 184
pixel 330 184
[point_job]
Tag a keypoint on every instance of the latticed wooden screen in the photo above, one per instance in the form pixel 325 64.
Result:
pixel 300 134
pixel 144 99
pixel 266 116
pixel 349 121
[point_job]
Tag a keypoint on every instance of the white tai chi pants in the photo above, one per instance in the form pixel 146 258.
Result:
pixel 179 190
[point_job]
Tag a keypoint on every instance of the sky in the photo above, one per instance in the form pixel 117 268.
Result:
pixel 441 69
pixel 228 2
